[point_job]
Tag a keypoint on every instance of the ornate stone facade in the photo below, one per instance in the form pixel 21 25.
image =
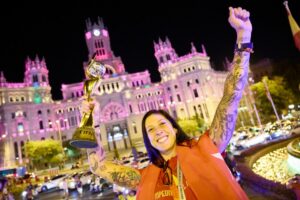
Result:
pixel 188 87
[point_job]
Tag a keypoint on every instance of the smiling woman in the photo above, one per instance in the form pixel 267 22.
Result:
pixel 183 168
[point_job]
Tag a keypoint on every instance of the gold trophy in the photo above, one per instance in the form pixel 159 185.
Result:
pixel 84 136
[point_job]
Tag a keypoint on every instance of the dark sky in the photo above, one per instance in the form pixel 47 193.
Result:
pixel 58 34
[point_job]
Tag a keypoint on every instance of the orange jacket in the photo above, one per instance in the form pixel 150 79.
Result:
pixel 204 170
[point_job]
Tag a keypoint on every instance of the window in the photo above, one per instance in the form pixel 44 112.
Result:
pixel 41 125
pixel 48 111
pixel 22 99
pixel 16 150
pixel 200 110
pixel 43 78
pixel 20 127
pixel 161 59
pixel 130 108
pixel 134 127
pixel 178 98
pixel 142 83
pixel 133 84
pixel 188 83
pixel 35 78
pixel 196 93
pixel 168 57
pixel 73 95
pixel 39 112
pixel 11 99
pixel 22 149
pixel 175 86
pixel 117 85
pixel 184 70
pixel 171 99
pixel 197 81
pixel 50 123
pixel 13 115
pixel 42 138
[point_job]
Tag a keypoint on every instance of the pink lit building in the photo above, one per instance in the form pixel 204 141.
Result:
pixel 188 87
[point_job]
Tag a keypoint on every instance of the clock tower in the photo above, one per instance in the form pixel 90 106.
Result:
pixel 98 43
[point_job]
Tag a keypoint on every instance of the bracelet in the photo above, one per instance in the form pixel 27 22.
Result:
pixel 240 47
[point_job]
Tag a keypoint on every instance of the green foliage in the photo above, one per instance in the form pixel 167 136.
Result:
pixel 282 96
pixel 44 151
pixel 192 126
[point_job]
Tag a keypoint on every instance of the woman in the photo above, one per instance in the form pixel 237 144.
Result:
pixel 182 168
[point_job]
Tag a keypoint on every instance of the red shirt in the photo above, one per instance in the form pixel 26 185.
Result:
pixel 164 192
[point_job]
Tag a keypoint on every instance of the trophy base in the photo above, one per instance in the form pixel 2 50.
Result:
pixel 83 144
pixel 84 137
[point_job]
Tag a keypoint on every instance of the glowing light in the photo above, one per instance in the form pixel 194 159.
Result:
pixel 105 33
pixel 96 32
pixel 88 35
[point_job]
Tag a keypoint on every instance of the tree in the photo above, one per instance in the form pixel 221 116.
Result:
pixel 44 151
pixel 193 126
pixel 282 96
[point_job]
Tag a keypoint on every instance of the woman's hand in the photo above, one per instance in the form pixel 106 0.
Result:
pixel 239 20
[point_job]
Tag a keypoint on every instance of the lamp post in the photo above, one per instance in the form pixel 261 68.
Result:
pixel 60 138
pixel 252 100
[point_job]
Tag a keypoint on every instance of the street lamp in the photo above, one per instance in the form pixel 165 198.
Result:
pixel 60 138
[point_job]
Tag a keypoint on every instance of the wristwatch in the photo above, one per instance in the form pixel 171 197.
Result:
pixel 248 47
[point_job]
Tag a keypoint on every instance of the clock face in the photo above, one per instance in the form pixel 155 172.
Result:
pixel 96 69
pixel 96 32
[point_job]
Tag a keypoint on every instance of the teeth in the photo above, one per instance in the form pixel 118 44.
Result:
pixel 162 139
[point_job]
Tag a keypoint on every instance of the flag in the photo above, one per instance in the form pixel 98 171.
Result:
pixel 294 26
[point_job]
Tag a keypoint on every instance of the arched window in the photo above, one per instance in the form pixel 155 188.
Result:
pixel 35 78
pixel 168 57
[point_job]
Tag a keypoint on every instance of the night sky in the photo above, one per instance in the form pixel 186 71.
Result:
pixel 58 35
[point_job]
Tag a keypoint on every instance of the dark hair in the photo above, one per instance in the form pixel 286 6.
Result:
pixel 154 155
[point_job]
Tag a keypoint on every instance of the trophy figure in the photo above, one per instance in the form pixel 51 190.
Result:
pixel 84 136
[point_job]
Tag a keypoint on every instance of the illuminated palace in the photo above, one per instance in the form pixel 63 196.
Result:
pixel 188 87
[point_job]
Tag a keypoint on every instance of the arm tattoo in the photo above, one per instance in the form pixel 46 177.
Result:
pixel 125 177
pixel 224 120
pixel 96 158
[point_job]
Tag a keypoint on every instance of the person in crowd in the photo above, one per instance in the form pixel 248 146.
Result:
pixel 294 184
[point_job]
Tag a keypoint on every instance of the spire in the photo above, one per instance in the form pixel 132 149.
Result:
pixel 203 50
pixel 294 26
pixel 155 45
pixel 193 49
pixel 100 22
pixel 160 41
pixel 37 58
pixel 2 77
pixel 168 42
pixel 88 23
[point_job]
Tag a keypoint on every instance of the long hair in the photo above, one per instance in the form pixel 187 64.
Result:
pixel 154 155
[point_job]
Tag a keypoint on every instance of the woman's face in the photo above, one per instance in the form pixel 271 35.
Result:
pixel 160 132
